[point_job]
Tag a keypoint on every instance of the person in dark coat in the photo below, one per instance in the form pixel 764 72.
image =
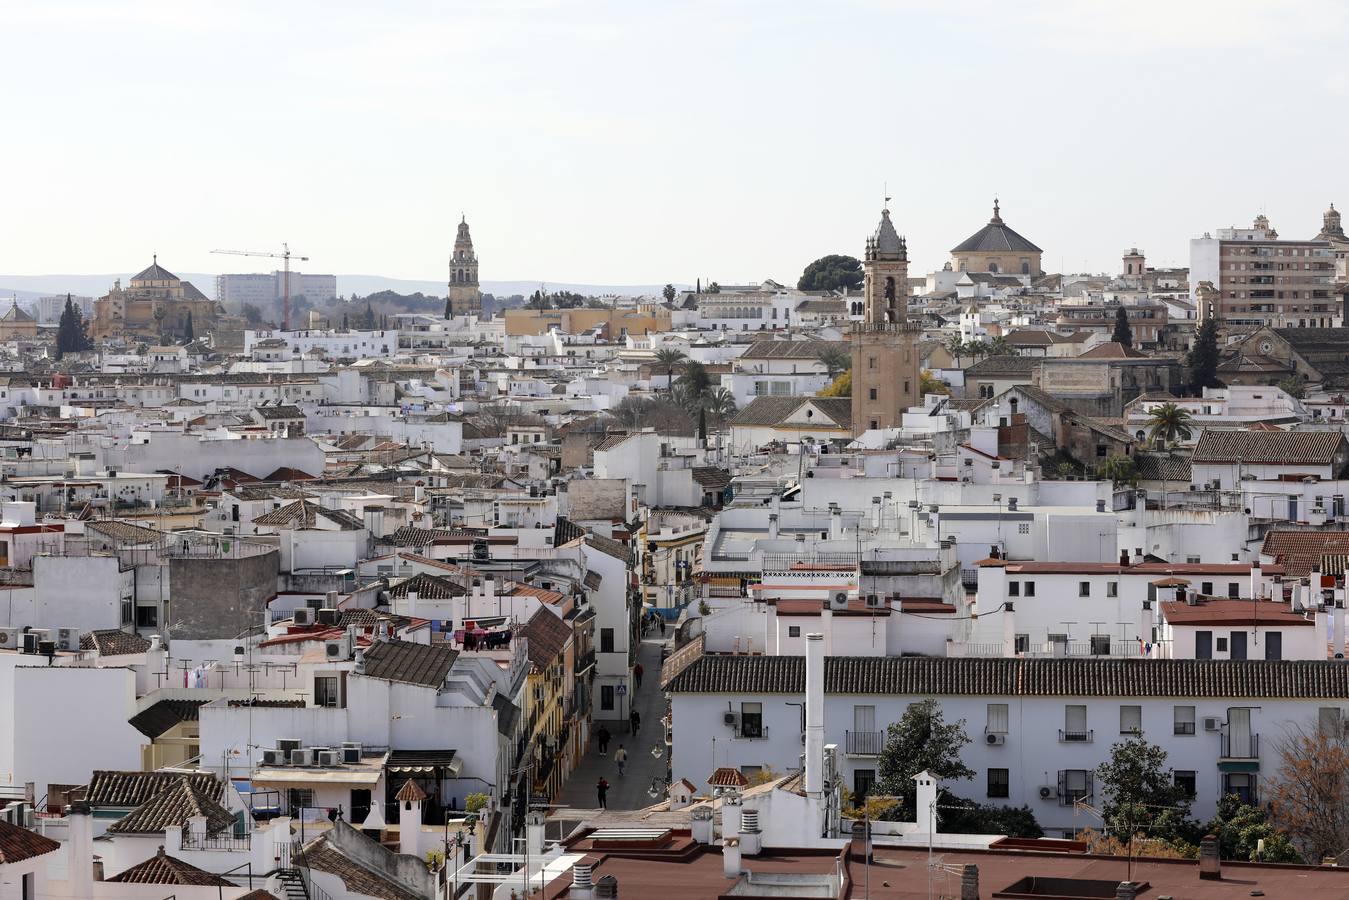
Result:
pixel 602 792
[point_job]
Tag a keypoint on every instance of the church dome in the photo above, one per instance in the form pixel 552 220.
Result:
pixel 995 237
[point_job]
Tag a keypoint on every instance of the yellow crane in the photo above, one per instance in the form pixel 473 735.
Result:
pixel 286 256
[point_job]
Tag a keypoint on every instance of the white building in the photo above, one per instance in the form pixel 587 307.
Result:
pixel 263 289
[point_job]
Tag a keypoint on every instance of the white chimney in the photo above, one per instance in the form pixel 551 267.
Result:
pixel 835 522
pixel 773 528
pixel 80 850
pixel 410 820
pixel 1256 586
pixel 730 818
pixel 730 858
pixel 358 657
pixel 814 715
pixel 751 838
pixel 1147 620
pixel 701 826
pixel 926 806
pixel 582 885
pixel 534 823
pixel 1008 629
pixel 876 512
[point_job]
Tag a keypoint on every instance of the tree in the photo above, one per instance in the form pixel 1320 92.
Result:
pixel 539 300
pixel 1203 358
pixel 929 384
pixel 1167 423
pixel 1294 386
pixel 713 287
pixel 1309 797
pixel 961 816
pixel 366 320
pixel 720 403
pixel 955 345
pixel 1000 346
pixel 840 387
pixel 1124 332
pixel 252 315
pixel 976 349
pixel 71 336
pixel 448 311
pixel 836 359
pixel 1240 828
pixel 694 383
pixel 670 358
pixel 1140 792
pixel 344 321
pixel 832 273
pixel 1120 470
pixel 669 293
pixel 922 740
pixel 188 333
pixel 641 412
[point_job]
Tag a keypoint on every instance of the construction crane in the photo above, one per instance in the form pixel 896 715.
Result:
pixel 285 255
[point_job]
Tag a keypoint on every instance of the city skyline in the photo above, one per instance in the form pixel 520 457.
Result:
pixel 738 144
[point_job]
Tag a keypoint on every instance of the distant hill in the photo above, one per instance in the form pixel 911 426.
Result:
pixel 29 287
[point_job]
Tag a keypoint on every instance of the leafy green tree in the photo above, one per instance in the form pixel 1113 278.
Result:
pixel 713 287
pixel 366 320
pixel 930 384
pixel 719 402
pixel 448 311
pixel 922 740
pixel 71 335
pixel 670 358
pixel 1294 386
pixel 539 300
pixel 1240 828
pixel 1140 792
pixel 1119 470
pixel 695 383
pixel 252 315
pixel 1000 346
pixel 669 293
pixel 831 273
pixel 1168 422
pixel 1203 358
pixel 1124 332
pixel 955 345
pixel 836 360
pixel 960 816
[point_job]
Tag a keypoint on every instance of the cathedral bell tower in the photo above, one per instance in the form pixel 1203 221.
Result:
pixel 885 363
pixel 465 295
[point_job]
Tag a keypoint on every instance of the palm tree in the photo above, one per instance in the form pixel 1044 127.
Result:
pixel 976 349
pixel 955 345
pixel 671 358
pixel 1168 422
pixel 836 360
pixel 719 402
pixel 1000 346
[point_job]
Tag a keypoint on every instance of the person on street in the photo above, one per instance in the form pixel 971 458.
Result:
pixel 637 674
pixel 621 757
pixel 636 721
pixel 602 791
pixel 602 737
pixel 661 623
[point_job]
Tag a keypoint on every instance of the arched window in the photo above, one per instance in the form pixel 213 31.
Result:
pixel 1025 267
pixel 993 267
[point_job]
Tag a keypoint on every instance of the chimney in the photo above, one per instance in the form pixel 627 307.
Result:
pixel 925 807
pixel 730 818
pixel 773 527
pixel 835 522
pixel 701 825
pixel 534 822
pixel 994 553
pixel 1210 863
pixel 751 838
pixel 1147 619
pixel 859 846
pixel 1339 630
pixel 814 715
pixel 969 881
pixel 581 884
pixel 1127 890
pixel 730 857
pixel 1257 587
pixel 1100 506
pixel 606 887
pixel 80 849
pixel 1011 504
pixel 876 512
pixel 1008 630
pixel 358 657
pixel 1124 559
pixel 410 799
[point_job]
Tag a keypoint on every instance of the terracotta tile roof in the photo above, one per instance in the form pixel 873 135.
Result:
pixel 775 410
pixel 305 514
pixel 322 856
pixel 164 869
pixel 131 789
pixel 409 663
pixel 995 366
pixel 727 776
pixel 113 642
pixel 1018 677
pixel 1222 611
pixel 18 844
pixel 711 478
pixel 410 793
pixel 172 807
pixel 427 587
pixel 610 547
pixel 123 533
pixel 1112 350
pixel 548 635
pixel 1298 551
pixel 809 350
pixel 1289 448
pixel 159 718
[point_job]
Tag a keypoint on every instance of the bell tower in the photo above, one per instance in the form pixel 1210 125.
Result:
pixel 465 295
pixel 885 362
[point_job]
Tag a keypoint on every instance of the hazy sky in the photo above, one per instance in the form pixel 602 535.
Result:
pixel 637 141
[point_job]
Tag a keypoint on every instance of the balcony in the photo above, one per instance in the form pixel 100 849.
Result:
pixel 1076 737
pixel 864 743
pixel 584 662
pixel 1240 746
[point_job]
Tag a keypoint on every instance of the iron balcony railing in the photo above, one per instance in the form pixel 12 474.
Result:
pixel 864 743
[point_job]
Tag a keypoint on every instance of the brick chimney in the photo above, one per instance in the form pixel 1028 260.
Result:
pixel 969 883
pixel 1210 863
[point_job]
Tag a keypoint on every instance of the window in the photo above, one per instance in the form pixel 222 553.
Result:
pixel 1206 588
pixel 794 631
pixel 147 617
pixel 606 696
pixel 1131 720
pixel 863 780
pixel 871 362
pixel 1238 643
pixel 1233 590
pixel 1075 723
pixel 1185 780
pixel 1029 588
pixel 606 640
pixel 871 394
pixel 1014 589
pixel 298 799
pixel 751 720
pixel 997 719
pixel 1274 645
pixel 1074 785
pixel 1182 720
pixel 1329 721
pixel 999 781
pixel 1021 643
pixel 1084 589
pixel 1100 645
pixel 1112 588
pixel 1101 450
pixel 327 691
pixel 1203 645
pixel 1242 784
pixel 1221 645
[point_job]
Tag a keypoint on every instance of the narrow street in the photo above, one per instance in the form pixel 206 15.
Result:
pixel 627 791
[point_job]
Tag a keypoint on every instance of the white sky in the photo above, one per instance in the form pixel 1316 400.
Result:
pixel 636 141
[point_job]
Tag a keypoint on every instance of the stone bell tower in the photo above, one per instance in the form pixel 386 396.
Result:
pixel 885 363
pixel 465 295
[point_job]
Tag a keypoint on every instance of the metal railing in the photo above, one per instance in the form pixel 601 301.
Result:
pixel 1077 737
pixel 1242 747
pixel 864 743
pixel 198 841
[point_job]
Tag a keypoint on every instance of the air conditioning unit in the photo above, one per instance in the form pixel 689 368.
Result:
pixel 1212 723
pixel 875 601
pixel 839 600
pixel 351 753
pixel 33 638
pixel 995 740
pixel 10 638
pixel 273 758
pixel 330 758
pixel 303 616
pixel 299 757
pixel 337 648
pixel 728 718
pixel 67 639
pixel 288 745
pixel 329 616
pixel 1046 792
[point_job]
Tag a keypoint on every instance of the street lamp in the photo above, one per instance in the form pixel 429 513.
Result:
pixel 658 786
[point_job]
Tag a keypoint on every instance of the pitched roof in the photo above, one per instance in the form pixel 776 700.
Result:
pixel 164 869
pixel 1112 350
pixel 131 789
pixel 1300 550
pixel 427 587
pixel 1003 365
pixel 548 635
pixel 995 237
pixel 125 533
pixel 15 314
pixel 1218 445
pixel 711 478
pixel 1162 467
pixel 1239 613
pixel 305 514
pixel 728 776
pixel 609 546
pixel 410 793
pixel 793 349
pixel 160 717
pixel 171 808
pixel 775 410
pixel 403 661
pixel 1018 677
pixel 18 844
pixel 113 642
pixel 154 272
pixel 356 878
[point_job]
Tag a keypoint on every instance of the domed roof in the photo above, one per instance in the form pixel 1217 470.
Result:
pixel 995 237
pixel 886 241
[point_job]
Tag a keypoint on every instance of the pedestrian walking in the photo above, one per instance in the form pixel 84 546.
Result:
pixel 637 674
pixel 602 791
pixel 602 737
pixel 661 623
pixel 635 720
pixel 621 757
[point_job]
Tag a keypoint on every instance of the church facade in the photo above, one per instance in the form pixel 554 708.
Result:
pixel 885 359
pixel 155 306
pixel 465 295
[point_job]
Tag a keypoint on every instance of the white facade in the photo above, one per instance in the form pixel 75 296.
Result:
pixel 333 344
pixel 261 289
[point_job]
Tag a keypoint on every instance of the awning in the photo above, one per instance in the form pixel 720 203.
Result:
pixel 426 762
pixel 1242 766
pixel 301 776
